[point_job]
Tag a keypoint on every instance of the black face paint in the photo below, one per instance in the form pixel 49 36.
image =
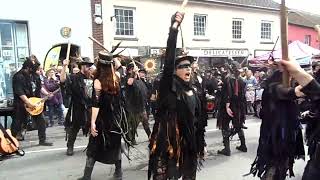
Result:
pixel 184 66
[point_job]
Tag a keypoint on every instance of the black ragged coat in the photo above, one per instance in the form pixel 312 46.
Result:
pixel 178 134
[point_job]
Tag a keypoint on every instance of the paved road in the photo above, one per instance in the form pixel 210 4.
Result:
pixel 51 163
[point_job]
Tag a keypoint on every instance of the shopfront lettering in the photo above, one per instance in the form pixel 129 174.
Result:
pixel 224 52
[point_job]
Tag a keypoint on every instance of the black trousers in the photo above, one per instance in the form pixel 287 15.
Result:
pixel 72 135
pixel 20 121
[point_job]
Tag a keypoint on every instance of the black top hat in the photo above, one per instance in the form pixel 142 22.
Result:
pixel 105 57
pixel 184 57
pixel 85 61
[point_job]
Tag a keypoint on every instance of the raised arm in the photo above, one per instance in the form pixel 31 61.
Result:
pixel 171 45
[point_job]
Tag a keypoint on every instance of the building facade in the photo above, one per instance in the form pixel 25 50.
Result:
pixel 33 27
pixel 301 27
pixel 212 30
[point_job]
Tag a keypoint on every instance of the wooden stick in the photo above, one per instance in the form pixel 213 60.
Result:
pixel 68 51
pixel 182 9
pixel 98 43
pixel 284 41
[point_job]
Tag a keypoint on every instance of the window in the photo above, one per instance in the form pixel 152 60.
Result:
pixel 124 21
pixel 266 30
pixel 200 25
pixel 14 47
pixel 307 39
pixel 237 25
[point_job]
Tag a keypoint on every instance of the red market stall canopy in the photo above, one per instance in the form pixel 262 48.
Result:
pixel 300 51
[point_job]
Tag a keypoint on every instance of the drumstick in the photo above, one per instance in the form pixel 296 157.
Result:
pixel 98 43
pixel 182 9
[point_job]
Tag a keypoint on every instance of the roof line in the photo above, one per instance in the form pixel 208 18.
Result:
pixel 237 4
pixel 300 14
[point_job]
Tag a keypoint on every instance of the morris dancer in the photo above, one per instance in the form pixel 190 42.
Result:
pixel 108 121
pixel 80 87
pixel 177 141
pixel 233 108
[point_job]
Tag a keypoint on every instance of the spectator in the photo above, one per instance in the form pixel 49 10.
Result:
pixel 250 79
pixel 257 76
pixel 55 103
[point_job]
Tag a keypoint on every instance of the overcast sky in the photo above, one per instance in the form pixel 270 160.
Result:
pixel 306 5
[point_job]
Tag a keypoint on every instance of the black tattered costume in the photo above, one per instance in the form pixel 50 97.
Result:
pixel 110 123
pixel 136 99
pixel 312 170
pixel 80 89
pixel 106 147
pixel 280 139
pixel 233 93
pixel 177 141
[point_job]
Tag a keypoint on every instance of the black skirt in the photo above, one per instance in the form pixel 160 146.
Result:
pixel 106 147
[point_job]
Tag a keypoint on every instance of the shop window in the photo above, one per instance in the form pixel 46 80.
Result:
pixel 124 21
pixel 200 25
pixel 237 30
pixel 14 47
pixel 266 30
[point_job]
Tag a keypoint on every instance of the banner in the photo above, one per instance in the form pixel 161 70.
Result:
pixel 52 58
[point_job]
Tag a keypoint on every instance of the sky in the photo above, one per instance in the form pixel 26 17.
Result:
pixel 312 6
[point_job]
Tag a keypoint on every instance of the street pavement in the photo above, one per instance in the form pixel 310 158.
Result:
pixel 51 163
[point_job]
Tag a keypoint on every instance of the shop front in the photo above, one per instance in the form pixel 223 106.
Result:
pixel 209 58
pixel 14 47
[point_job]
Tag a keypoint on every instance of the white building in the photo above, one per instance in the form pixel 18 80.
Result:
pixel 212 29
pixel 33 27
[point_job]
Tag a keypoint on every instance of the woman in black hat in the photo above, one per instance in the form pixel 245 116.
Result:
pixel 177 141
pixel 107 118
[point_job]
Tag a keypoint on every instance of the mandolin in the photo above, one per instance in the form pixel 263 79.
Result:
pixel 8 144
pixel 39 103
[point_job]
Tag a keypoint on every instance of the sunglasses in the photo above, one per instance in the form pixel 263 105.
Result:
pixel 184 66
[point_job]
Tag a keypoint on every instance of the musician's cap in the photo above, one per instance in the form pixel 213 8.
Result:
pixel 27 63
pixel 105 58
pixel 85 61
pixel 143 70
pixel 130 66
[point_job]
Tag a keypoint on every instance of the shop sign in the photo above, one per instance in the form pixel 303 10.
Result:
pixel 219 52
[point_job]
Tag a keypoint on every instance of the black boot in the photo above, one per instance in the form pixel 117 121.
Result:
pixel 45 143
pixel 226 150
pixel 72 135
pixel 243 146
pixel 118 171
pixel 70 151
pixel 88 169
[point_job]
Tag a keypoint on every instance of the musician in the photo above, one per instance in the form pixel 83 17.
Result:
pixel 136 98
pixel 232 108
pixel 177 140
pixel 26 84
pixel 80 86
pixel 107 118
